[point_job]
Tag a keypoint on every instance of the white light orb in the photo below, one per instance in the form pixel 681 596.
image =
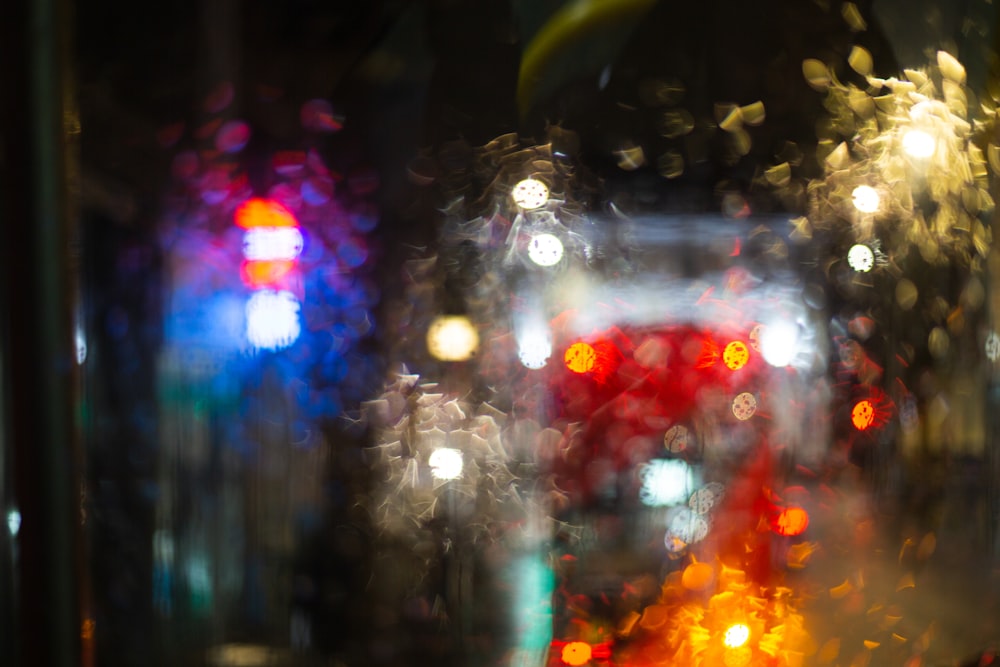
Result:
pixel 452 338
pixel 703 500
pixel 993 346
pixel 446 463
pixel 736 635
pixel 866 198
pixel 534 349
pixel 13 522
pixel 545 249
pixel 530 193
pixel 272 319
pixel 779 342
pixel 272 243
pixel 686 526
pixel 861 258
pixel 81 346
pixel 918 144
pixel 665 482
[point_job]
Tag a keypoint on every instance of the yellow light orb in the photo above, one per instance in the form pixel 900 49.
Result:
pixel 576 653
pixel 530 193
pixel 736 635
pixel 918 144
pixel 452 338
pixel 735 355
pixel 865 198
pixel 580 357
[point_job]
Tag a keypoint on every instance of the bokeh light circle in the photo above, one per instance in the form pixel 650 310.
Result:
pixel 779 343
pixel 545 249
pixel 697 576
pixel 738 657
pixel 791 521
pixel 530 193
pixel 534 350
pixel 665 482
pixel 677 439
pixel 736 635
pixel 452 338
pixel 755 335
pixel 918 144
pixel 576 654
pixel 703 500
pixel 865 198
pixel 992 346
pixel 861 258
pixel 446 463
pixel 744 406
pixel 687 526
pixel 580 357
pixel 735 355
pixel 863 414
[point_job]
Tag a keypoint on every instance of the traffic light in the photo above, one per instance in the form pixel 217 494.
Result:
pixel 272 243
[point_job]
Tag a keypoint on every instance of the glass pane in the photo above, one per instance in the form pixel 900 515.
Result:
pixel 504 333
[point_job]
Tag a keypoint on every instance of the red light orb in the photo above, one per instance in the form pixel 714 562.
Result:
pixel 259 212
pixel 863 414
pixel 791 521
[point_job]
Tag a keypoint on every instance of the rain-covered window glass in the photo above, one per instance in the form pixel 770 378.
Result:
pixel 499 332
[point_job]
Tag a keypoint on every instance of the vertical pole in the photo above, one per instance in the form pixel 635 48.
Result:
pixel 37 170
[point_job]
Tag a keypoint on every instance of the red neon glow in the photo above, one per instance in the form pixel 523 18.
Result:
pixel 267 273
pixel 708 355
pixel 259 212
pixel 791 521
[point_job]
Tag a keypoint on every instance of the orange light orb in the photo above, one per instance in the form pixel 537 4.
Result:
pixel 576 653
pixel 738 657
pixel 863 414
pixel 735 355
pixel 736 635
pixel 580 357
pixel 266 273
pixel 697 576
pixel 259 212
pixel 791 521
